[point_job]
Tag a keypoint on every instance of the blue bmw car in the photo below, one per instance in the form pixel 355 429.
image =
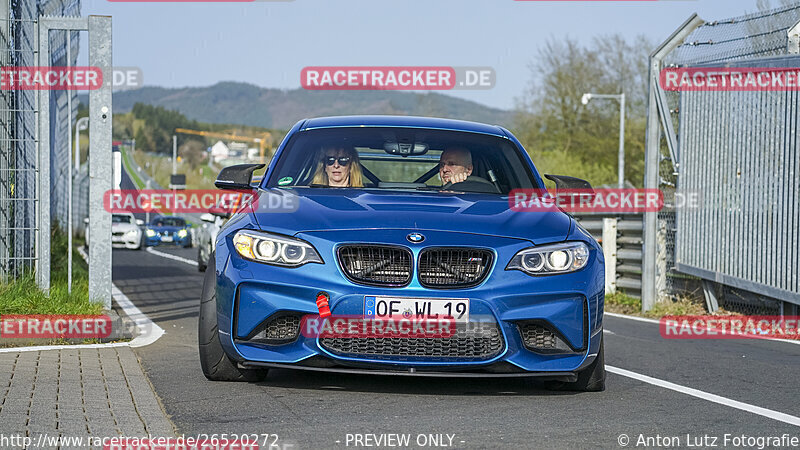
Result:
pixel 378 217
pixel 168 230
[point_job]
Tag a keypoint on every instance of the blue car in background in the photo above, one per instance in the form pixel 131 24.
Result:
pixel 168 230
pixel 522 291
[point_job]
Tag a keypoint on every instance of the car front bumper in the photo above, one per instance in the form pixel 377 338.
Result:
pixel 250 294
pixel 175 240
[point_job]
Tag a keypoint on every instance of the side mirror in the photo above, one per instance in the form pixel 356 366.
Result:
pixel 237 177
pixel 140 222
pixel 219 212
pixel 206 217
pixel 565 182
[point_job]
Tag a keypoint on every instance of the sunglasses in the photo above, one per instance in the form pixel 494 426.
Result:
pixel 343 160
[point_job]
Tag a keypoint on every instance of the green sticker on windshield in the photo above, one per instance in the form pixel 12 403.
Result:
pixel 284 181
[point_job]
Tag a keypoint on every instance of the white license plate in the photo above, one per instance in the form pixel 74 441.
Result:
pixel 379 307
pixel 166 238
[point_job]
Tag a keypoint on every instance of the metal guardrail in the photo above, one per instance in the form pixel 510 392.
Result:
pixel 621 237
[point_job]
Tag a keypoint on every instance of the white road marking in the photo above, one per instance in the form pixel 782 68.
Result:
pixel 608 331
pixel 173 257
pixel 644 319
pixel 625 316
pixel 768 413
pixel 148 332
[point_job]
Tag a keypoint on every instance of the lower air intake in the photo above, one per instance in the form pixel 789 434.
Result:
pixel 476 343
pixel 280 330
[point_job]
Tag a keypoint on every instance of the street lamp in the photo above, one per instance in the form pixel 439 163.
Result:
pixel 621 157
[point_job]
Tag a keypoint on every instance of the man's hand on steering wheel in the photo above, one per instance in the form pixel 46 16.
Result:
pixel 457 178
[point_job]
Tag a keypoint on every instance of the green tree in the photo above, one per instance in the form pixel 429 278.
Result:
pixel 566 137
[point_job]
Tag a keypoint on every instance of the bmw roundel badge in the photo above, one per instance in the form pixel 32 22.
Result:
pixel 415 238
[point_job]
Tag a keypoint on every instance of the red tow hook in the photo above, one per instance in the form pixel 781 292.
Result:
pixel 322 304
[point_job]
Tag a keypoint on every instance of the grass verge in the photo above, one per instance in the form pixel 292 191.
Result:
pixel 22 296
pixel 621 303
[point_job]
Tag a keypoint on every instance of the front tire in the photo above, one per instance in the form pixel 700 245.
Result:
pixel 590 379
pixel 216 364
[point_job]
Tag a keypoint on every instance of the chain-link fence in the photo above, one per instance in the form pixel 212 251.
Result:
pixel 19 130
pixel 738 151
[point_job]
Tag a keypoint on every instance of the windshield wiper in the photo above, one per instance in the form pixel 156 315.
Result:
pixel 429 188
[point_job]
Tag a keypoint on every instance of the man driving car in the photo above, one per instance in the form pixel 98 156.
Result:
pixel 455 165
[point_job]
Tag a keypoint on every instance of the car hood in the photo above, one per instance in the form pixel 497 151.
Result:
pixel 303 210
pixel 125 227
pixel 167 229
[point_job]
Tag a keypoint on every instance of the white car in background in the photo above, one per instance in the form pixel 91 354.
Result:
pixel 125 231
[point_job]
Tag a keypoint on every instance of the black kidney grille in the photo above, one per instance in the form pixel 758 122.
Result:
pixel 453 267
pixel 376 264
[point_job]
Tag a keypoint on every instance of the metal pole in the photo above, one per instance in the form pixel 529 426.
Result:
pixel 81 124
pixel 174 163
pixel 147 212
pixel 69 171
pixel 621 164
pixel 100 110
pixel 43 179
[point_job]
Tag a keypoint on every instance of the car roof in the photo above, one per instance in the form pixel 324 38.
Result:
pixel 166 217
pixel 402 121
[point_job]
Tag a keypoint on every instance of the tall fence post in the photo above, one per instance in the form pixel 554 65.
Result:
pixel 610 253
pixel 100 169
pixel 43 164
pixel 99 28
pixel 652 159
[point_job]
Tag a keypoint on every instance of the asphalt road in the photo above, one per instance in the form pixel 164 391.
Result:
pixel 319 410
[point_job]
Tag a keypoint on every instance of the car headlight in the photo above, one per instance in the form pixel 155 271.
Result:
pixel 182 233
pixel 551 259
pixel 149 232
pixel 273 249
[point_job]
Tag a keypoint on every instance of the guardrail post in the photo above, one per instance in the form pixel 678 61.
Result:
pixel 610 253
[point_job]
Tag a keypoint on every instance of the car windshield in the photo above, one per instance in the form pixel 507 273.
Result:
pixel 168 222
pixel 402 159
pixel 117 218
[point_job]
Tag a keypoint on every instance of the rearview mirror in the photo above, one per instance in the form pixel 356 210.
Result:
pixel 139 222
pixel 405 148
pixel 237 177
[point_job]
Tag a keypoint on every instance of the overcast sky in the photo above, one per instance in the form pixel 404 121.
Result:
pixel 268 43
